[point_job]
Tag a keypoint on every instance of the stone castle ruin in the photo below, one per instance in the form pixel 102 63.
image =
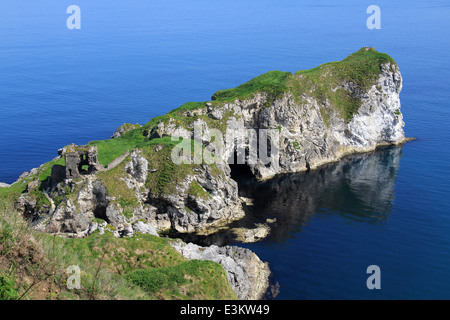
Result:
pixel 80 160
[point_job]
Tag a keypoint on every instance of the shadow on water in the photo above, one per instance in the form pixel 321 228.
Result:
pixel 360 188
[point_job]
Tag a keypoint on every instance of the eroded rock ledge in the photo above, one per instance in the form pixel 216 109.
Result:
pixel 247 274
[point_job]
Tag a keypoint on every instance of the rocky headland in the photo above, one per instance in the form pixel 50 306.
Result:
pixel 129 184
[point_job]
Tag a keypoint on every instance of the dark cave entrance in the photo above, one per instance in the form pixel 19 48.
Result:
pixel 257 147
pixel 100 212
pixel 241 173
pixel 100 193
pixel 246 182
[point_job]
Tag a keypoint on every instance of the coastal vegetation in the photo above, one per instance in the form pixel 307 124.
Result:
pixel 33 265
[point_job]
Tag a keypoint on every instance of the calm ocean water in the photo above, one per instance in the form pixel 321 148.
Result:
pixel 135 60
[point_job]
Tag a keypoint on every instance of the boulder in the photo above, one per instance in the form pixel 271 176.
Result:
pixel 124 128
pixel 144 228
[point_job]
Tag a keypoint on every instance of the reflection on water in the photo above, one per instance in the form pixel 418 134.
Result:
pixel 360 188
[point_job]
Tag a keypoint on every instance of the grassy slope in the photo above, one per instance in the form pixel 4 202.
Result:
pixel 142 267
pixel 273 83
pixel 362 68
pixel 11 194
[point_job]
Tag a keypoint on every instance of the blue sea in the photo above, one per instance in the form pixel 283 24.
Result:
pixel 134 60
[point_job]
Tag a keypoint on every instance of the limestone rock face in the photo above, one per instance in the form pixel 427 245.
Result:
pixel 145 228
pixel 137 168
pixel 202 202
pixel 217 205
pixel 379 120
pixel 308 136
pixel 247 274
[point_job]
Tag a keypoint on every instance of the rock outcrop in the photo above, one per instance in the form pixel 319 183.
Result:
pixel 124 129
pixel 315 126
pixel 203 200
pixel 247 274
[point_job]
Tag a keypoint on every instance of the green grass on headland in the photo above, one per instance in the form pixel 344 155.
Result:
pixel 273 83
pixel 324 83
